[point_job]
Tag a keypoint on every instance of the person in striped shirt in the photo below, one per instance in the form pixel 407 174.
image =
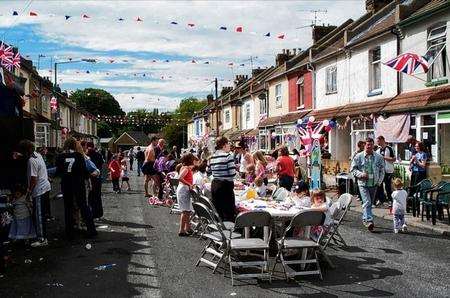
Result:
pixel 223 170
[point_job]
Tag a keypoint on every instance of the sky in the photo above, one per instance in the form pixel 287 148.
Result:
pixel 152 54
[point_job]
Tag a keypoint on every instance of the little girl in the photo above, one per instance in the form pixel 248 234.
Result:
pixel 125 177
pixel 399 206
pixel 261 188
pixel 301 195
pixel 22 225
pixel 318 202
pixel 250 173
pixel 186 180
pixel 115 169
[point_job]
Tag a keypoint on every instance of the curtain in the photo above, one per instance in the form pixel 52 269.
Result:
pixel 395 129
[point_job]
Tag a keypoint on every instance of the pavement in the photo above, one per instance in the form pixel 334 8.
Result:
pixel 152 261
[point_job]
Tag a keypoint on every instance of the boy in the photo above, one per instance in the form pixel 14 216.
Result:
pixel 399 206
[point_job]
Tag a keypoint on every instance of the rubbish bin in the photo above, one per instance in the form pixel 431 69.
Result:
pixel 344 182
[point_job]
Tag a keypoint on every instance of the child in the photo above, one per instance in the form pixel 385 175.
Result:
pixel 399 206
pixel 200 176
pixel 22 225
pixel 261 188
pixel 186 181
pixel 250 173
pixel 125 177
pixel 114 168
pixel 318 202
pixel 301 195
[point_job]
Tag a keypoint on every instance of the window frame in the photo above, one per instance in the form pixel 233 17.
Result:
pixel 227 116
pixel 437 41
pixel 42 138
pixel 247 112
pixel 331 79
pixel 278 96
pixel 372 64
pixel 301 93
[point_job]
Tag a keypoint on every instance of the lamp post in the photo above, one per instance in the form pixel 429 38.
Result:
pixel 67 62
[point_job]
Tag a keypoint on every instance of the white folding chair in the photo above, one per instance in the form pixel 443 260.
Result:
pixel 244 220
pixel 301 220
pixel 173 189
pixel 340 209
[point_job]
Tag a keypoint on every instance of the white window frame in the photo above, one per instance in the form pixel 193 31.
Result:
pixel 262 105
pixel 331 79
pixel 42 138
pixel 247 112
pixel 365 132
pixel 278 96
pixel 301 93
pixel 45 103
pixel 372 75
pixel 433 42
pixel 227 116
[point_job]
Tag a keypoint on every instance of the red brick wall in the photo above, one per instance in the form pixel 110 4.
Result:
pixel 293 91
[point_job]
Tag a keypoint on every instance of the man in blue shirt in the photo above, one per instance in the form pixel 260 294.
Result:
pixel 369 167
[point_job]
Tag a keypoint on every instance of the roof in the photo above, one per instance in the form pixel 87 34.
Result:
pixel 420 100
pixel 105 140
pixel 284 119
pixel 260 85
pixel 324 114
pixel 137 136
pixel 363 108
pixel 429 7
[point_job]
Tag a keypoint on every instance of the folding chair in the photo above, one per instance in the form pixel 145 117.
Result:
pixel 173 189
pixel 302 219
pixel 217 245
pixel 341 208
pixel 225 225
pixel 248 220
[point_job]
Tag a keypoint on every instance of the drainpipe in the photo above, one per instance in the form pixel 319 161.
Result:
pixel 311 69
pixel 397 32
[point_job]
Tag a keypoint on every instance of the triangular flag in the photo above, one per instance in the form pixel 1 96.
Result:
pixel 15 13
pixel 87 71
pixel 207 62
pixel 167 61
pixel 85 16
pixel 68 17
pixel 193 61
pixel 239 29
pixel 174 23
pixel 121 19
pixel 153 60
pixel 223 28
pixel 230 64
pixel 191 24
pixel 111 60
pixel 139 19
pixel 267 34
pixel 242 64
pixel 33 14
pixel 280 36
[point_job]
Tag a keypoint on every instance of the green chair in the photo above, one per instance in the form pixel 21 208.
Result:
pixel 442 200
pixel 418 194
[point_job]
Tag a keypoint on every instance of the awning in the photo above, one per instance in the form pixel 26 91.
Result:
pixel 363 108
pixel 324 114
pixel 419 100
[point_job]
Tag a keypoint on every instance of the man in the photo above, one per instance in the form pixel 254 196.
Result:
pixel 388 154
pixel 148 168
pixel 38 188
pixel 368 167
pixel 131 157
pixel 411 144
pixel 71 167
pixel 95 195
pixel 140 157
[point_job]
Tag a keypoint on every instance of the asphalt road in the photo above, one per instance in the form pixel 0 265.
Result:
pixel 152 261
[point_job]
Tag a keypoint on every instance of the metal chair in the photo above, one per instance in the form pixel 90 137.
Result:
pixel 173 189
pixel 218 243
pixel 341 207
pixel 244 220
pixel 302 219
pixel 225 225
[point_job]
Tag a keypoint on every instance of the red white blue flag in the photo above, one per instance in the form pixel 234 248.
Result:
pixel 408 63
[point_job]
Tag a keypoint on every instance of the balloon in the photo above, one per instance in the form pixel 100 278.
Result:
pixel 327 128
pixel 325 122
pixel 311 119
pixel 299 121
pixel 332 123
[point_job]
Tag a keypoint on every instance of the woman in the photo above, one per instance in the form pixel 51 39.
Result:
pixel 260 167
pixel 285 169
pixel 186 181
pixel 418 164
pixel 223 171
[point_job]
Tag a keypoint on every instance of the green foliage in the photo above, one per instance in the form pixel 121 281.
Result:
pixel 97 101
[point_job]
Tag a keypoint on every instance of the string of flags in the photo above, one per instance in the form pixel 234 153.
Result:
pixel 189 25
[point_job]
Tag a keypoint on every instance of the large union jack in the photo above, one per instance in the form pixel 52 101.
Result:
pixel 7 57
pixel 408 63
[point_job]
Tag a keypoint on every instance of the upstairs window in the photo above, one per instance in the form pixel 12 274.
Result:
pixel 247 112
pixel 300 93
pixel 262 104
pixel 227 116
pixel 278 99
pixel 436 54
pixel 375 69
pixel 331 77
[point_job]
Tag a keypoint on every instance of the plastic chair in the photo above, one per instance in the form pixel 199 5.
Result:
pixel 442 200
pixel 302 219
pixel 173 190
pixel 244 220
pixel 341 207
pixel 419 193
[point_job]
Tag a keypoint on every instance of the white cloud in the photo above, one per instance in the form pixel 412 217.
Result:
pixel 132 101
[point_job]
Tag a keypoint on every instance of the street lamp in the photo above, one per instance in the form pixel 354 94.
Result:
pixel 67 62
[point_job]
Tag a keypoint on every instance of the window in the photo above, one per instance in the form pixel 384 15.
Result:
pixel 428 134
pixel 42 134
pixel 45 103
pixel 402 148
pixel 436 54
pixel 331 78
pixel 227 116
pixel 375 69
pixel 300 93
pixel 361 129
pixel 247 112
pixel 278 99
pixel 262 104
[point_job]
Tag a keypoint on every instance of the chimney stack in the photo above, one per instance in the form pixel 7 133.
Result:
pixel 319 32
pixel 373 6
pixel 225 90
pixel 283 57
pixel 256 71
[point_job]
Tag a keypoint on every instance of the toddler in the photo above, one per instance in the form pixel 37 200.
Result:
pixel 125 177
pixel 399 205
pixel 250 174
pixel 301 195
pixel 318 202
pixel 22 227
pixel 115 170
pixel 261 188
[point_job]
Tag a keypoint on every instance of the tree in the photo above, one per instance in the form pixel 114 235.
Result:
pixel 175 133
pixel 97 102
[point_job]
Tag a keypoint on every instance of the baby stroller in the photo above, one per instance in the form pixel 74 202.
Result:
pixel 5 220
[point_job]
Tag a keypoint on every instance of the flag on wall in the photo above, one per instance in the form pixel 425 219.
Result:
pixel 408 63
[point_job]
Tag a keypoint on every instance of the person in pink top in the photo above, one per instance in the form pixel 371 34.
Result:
pixel 260 165
pixel 186 180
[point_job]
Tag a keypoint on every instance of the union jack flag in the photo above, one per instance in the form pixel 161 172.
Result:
pixel 408 63
pixel 7 57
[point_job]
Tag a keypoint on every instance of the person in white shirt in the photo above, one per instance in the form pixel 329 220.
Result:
pixel 399 197
pixel 389 157
pixel 38 188
pixel 200 175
